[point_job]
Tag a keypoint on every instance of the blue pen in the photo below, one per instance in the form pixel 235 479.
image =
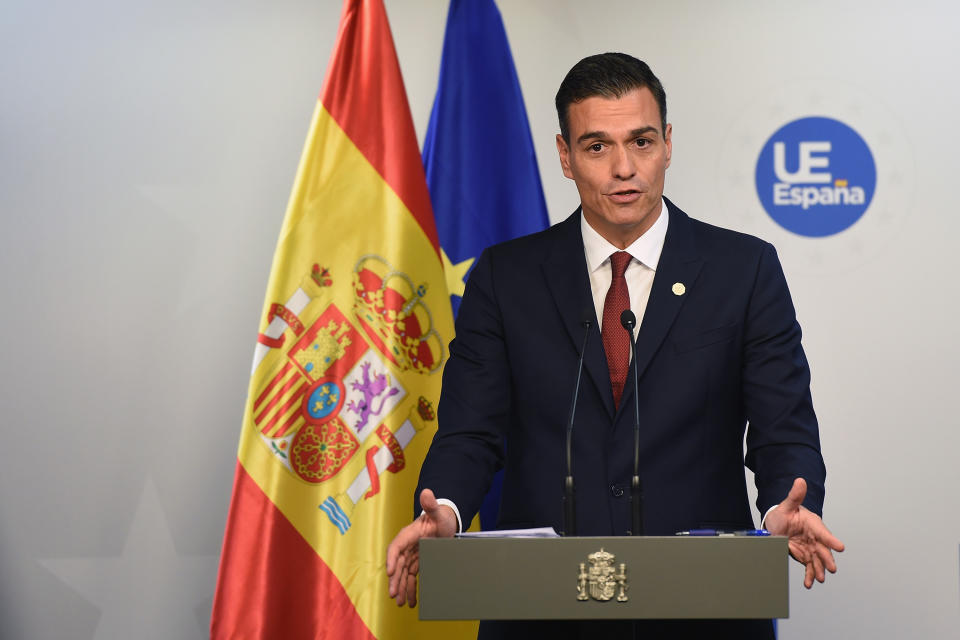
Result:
pixel 699 532
pixel 717 532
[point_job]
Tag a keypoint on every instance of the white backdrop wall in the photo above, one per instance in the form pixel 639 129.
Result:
pixel 147 150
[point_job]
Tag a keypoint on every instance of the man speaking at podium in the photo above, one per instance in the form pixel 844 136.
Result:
pixel 718 346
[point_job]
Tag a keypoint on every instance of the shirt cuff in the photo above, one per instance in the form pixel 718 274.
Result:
pixel 456 512
pixel 763 520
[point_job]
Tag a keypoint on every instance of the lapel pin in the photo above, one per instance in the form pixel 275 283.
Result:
pixel 678 289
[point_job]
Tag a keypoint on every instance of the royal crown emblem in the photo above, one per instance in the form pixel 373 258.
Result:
pixel 391 309
pixel 601 581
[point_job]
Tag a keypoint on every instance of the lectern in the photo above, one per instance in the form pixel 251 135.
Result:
pixel 603 578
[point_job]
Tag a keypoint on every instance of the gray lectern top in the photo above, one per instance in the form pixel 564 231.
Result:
pixel 603 578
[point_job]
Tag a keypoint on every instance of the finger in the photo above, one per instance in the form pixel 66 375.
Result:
pixel 408 593
pixel 428 502
pixel 826 558
pixel 394 583
pixel 408 586
pixel 401 594
pixel 399 546
pixel 797 493
pixel 808 575
pixel 395 576
pixel 393 550
pixel 818 571
pixel 824 537
pixel 412 591
pixel 827 539
pixel 436 520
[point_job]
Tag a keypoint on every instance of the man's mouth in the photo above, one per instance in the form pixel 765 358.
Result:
pixel 624 196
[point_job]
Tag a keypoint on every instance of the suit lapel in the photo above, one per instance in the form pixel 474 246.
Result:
pixel 565 271
pixel 679 265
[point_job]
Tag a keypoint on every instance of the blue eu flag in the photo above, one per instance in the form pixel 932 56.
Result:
pixel 478 154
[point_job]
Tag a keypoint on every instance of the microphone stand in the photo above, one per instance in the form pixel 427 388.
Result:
pixel 569 504
pixel 629 321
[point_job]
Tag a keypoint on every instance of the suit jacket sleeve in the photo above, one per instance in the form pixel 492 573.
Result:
pixel 474 406
pixel 783 438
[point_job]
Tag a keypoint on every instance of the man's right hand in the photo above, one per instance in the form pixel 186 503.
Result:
pixel 403 554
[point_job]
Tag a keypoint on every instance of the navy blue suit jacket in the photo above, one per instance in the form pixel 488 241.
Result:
pixel 723 352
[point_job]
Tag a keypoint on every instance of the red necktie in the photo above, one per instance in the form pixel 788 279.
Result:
pixel 616 342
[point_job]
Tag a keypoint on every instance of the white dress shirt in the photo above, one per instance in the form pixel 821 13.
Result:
pixel 645 254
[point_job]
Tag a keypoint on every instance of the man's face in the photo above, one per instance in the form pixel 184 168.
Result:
pixel 618 157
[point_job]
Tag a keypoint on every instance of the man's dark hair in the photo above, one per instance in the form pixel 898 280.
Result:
pixel 610 75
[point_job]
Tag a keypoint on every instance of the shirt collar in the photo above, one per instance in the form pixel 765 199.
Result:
pixel 645 249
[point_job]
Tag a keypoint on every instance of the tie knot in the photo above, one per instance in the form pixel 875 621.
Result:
pixel 619 262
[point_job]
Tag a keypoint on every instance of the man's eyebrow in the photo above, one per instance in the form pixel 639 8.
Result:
pixel 592 135
pixel 643 131
pixel 602 135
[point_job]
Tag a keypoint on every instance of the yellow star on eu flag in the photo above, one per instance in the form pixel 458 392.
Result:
pixel 455 273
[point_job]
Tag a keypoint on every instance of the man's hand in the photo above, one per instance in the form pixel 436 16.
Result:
pixel 403 554
pixel 811 543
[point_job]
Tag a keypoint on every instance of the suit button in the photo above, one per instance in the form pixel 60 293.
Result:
pixel 616 491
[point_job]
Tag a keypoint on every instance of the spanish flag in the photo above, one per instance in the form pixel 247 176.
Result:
pixel 346 371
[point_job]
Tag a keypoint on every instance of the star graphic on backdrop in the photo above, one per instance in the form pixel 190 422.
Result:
pixel 455 273
pixel 149 590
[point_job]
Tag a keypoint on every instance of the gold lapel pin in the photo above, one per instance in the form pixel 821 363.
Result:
pixel 678 289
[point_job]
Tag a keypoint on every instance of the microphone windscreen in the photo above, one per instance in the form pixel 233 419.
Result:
pixel 586 317
pixel 628 320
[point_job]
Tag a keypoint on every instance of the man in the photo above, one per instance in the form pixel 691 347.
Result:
pixel 718 346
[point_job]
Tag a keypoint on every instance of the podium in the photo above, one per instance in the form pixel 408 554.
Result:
pixel 603 578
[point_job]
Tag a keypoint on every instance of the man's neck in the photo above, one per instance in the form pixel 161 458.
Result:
pixel 623 237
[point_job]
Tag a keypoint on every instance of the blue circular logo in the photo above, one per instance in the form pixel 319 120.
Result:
pixel 816 176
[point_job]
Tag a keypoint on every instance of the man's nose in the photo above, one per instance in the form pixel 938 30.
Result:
pixel 624 165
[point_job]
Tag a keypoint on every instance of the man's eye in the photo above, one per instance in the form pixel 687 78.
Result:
pixel 596 147
pixel 642 142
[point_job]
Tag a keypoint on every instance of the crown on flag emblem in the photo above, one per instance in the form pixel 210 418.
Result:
pixel 392 312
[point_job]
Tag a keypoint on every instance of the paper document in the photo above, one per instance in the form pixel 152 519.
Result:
pixel 540 532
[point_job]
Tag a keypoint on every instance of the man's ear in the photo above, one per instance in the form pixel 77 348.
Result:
pixel 564 150
pixel 668 140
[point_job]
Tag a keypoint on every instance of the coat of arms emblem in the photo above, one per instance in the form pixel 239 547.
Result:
pixel 335 376
pixel 602 580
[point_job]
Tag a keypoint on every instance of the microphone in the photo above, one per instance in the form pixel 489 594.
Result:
pixel 569 506
pixel 629 322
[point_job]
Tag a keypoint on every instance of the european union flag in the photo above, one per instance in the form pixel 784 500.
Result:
pixel 478 154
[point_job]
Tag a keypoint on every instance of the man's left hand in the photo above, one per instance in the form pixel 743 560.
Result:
pixel 811 543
